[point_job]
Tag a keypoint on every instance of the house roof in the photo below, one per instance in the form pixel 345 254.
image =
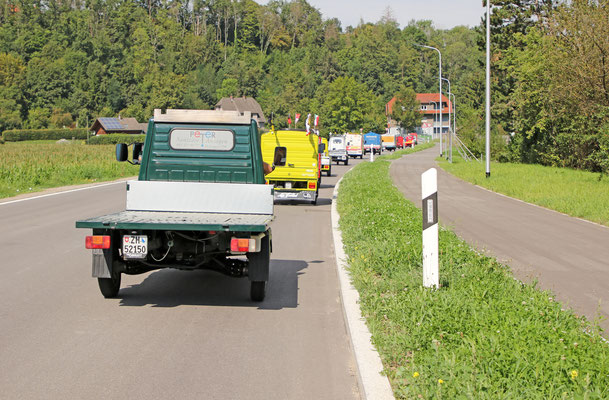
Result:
pixel 110 124
pixel 424 98
pixel 241 104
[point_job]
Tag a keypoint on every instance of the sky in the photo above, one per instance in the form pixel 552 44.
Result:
pixel 445 14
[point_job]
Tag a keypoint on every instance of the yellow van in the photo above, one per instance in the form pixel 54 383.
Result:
pixel 296 161
pixel 326 164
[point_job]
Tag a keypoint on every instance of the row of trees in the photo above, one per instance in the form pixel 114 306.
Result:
pixel 64 63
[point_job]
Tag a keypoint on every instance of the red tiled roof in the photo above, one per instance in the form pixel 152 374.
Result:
pixel 424 98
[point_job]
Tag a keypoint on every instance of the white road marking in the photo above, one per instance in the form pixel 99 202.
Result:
pixel 64 192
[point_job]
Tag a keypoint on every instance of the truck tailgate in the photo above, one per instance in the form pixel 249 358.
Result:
pixel 179 221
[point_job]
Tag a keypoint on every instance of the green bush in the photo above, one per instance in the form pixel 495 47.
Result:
pixel 117 138
pixel 18 135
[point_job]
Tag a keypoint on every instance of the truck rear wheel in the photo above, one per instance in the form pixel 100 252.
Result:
pixel 257 290
pixel 346 162
pixel 109 287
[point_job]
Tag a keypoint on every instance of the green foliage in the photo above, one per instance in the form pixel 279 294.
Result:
pixel 18 135
pixel 230 87
pixel 57 164
pixel 116 138
pixel 348 105
pixel 64 66
pixel 406 109
pixel 484 334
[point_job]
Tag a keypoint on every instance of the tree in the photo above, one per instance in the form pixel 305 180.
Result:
pixel 348 105
pixel 406 109
pixel 230 87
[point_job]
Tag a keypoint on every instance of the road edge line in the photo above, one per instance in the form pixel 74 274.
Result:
pixel 84 187
pixel 373 385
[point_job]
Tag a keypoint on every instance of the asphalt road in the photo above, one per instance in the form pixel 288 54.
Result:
pixel 169 334
pixel 567 255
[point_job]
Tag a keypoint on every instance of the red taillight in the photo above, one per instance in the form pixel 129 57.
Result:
pixel 312 185
pixel 97 242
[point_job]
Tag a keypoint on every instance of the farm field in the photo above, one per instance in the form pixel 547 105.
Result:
pixel 577 193
pixel 482 334
pixel 36 165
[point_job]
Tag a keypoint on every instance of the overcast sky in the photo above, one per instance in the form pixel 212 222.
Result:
pixel 445 14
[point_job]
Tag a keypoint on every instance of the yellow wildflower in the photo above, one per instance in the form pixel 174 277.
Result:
pixel 574 374
pixel 415 375
pixel 440 381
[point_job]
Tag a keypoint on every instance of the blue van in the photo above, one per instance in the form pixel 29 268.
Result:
pixel 372 141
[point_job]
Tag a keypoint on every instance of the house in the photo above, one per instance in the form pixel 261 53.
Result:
pixel 106 125
pixel 243 104
pixel 430 124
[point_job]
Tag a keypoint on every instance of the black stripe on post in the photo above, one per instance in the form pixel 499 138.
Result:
pixel 430 210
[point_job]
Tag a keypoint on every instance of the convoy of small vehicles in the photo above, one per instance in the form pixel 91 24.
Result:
pixel 202 199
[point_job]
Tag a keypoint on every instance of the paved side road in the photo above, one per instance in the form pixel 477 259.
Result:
pixel 568 256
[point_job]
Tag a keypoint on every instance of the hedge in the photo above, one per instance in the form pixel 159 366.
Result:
pixel 117 138
pixel 18 135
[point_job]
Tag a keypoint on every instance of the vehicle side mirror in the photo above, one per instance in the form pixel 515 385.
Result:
pixel 137 152
pixel 321 148
pixel 280 157
pixel 121 152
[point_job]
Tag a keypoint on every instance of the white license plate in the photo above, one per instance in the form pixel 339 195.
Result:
pixel 135 246
pixel 288 185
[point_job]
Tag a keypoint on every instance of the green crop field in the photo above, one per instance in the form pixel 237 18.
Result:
pixel 482 334
pixel 32 166
pixel 577 193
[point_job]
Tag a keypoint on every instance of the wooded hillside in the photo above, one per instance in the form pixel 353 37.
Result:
pixel 64 63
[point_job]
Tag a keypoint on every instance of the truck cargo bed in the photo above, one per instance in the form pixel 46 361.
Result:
pixel 179 221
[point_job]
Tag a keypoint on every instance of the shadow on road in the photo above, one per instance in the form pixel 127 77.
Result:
pixel 172 288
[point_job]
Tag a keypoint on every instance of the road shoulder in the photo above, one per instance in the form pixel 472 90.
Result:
pixel 373 385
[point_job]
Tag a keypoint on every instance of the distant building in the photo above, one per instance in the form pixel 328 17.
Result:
pixel 243 104
pixel 430 124
pixel 106 125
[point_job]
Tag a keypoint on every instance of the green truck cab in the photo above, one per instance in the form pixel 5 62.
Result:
pixel 200 202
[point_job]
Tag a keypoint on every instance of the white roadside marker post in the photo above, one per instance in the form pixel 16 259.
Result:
pixel 429 194
pixel 371 154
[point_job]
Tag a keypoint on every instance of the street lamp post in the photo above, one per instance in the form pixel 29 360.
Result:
pixel 488 88
pixel 440 83
pixel 450 137
pixel 435 104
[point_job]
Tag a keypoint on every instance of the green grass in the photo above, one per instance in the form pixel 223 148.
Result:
pixel 483 333
pixel 576 193
pixel 399 153
pixel 35 165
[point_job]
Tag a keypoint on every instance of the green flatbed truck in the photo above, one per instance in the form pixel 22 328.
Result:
pixel 200 202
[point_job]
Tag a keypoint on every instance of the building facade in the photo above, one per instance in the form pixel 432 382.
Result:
pixel 430 110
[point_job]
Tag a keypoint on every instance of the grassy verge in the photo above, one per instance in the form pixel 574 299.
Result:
pixel 481 335
pixel 399 153
pixel 35 165
pixel 578 193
